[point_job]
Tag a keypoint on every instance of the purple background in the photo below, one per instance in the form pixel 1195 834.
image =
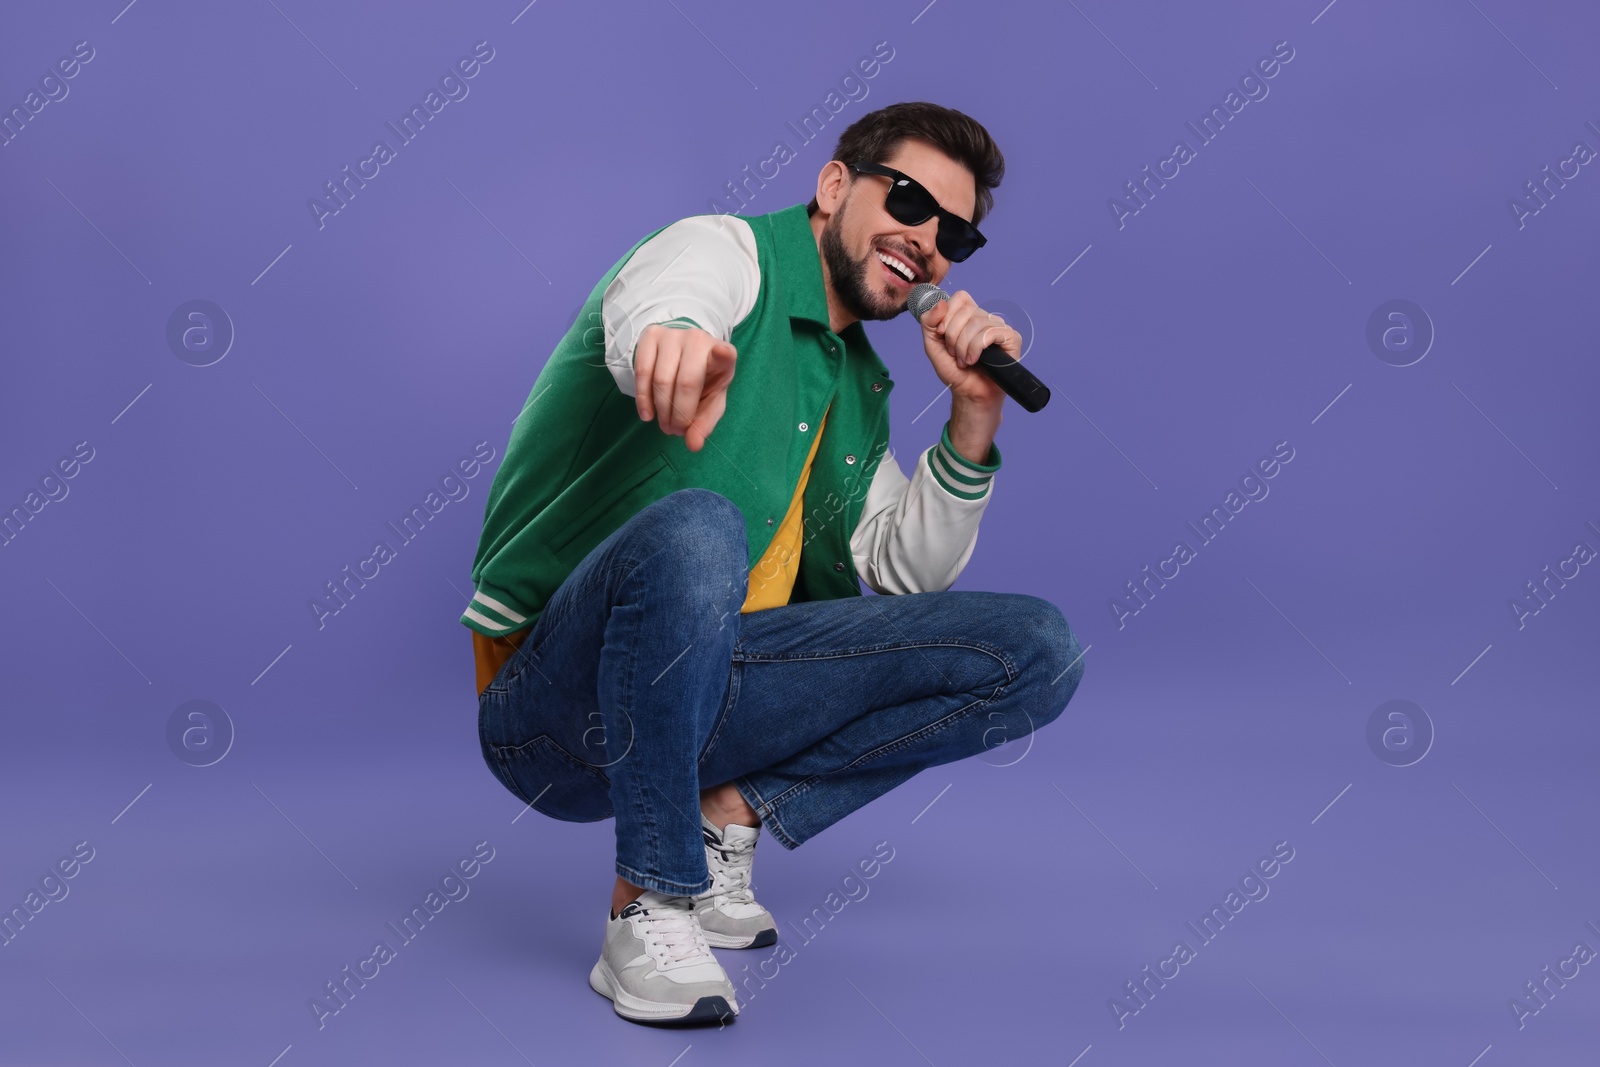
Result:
pixel 1027 885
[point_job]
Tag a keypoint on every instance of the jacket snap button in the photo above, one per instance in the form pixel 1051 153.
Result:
pixel 838 566
pixel 849 459
pixel 769 520
pixel 804 427
pixel 877 387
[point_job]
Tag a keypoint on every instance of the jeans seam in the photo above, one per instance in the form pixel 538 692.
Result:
pixel 767 811
pixel 974 646
pixel 651 839
pixel 725 714
pixel 916 735
pixel 520 659
pixel 800 787
pixel 503 753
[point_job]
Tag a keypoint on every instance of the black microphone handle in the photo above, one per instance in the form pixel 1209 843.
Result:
pixel 1018 381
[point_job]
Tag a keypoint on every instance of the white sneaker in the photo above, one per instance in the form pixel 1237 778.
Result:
pixel 728 911
pixel 655 965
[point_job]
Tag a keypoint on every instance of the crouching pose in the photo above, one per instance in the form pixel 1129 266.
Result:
pixel 667 620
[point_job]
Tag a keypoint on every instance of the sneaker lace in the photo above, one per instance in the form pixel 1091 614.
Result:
pixel 674 930
pixel 731 877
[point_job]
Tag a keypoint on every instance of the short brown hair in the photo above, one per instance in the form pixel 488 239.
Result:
pixel 875 136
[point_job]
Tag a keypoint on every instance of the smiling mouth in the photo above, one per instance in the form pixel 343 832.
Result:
pixel 897 269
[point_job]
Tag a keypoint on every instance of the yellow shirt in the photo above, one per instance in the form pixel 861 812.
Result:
pixel 772 578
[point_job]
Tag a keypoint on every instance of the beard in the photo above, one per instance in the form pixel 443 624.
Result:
pixel 851 278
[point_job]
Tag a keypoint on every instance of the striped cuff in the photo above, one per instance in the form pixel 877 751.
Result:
pixel 957 475
pixel 492 615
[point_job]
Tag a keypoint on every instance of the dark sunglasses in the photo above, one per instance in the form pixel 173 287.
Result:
pixel 909 203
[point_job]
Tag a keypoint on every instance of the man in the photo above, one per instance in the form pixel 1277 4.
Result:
pixel 667 611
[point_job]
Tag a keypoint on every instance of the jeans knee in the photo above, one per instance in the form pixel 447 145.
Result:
pixel 699 536
pixel 1056 659
pixel 704 524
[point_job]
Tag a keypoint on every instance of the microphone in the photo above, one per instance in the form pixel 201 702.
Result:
pixel 1017 381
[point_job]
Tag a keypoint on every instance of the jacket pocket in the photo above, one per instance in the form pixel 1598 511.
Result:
pixel 571 542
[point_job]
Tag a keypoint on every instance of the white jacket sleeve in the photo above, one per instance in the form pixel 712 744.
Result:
pixel 915 535
pixel 700 271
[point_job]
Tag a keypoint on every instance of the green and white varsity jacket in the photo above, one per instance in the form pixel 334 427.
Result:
pixel 581 462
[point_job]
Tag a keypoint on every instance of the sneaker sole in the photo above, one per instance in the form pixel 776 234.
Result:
pixel 766 937
pixel 637 1009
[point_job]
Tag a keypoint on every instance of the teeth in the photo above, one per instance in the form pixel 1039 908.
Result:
pixel 895 264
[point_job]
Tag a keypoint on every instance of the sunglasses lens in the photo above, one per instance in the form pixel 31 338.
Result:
pixel 909 204
pixel 951 245
pixel 912 205
pixel 957 239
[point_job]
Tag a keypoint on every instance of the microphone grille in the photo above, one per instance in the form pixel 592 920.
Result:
pixel 923 296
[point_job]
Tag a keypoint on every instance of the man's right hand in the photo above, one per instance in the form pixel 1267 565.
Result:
pixel 681 379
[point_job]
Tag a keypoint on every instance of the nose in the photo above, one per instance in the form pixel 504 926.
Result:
pixel 924 239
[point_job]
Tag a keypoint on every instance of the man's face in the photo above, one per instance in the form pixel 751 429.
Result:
pixel 861 231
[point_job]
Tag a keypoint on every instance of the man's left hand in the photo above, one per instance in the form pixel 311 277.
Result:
pixel 954 333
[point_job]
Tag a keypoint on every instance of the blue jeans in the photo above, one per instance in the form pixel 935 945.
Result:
pixel 642 684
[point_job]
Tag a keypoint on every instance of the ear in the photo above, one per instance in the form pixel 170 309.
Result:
pixel 833 183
